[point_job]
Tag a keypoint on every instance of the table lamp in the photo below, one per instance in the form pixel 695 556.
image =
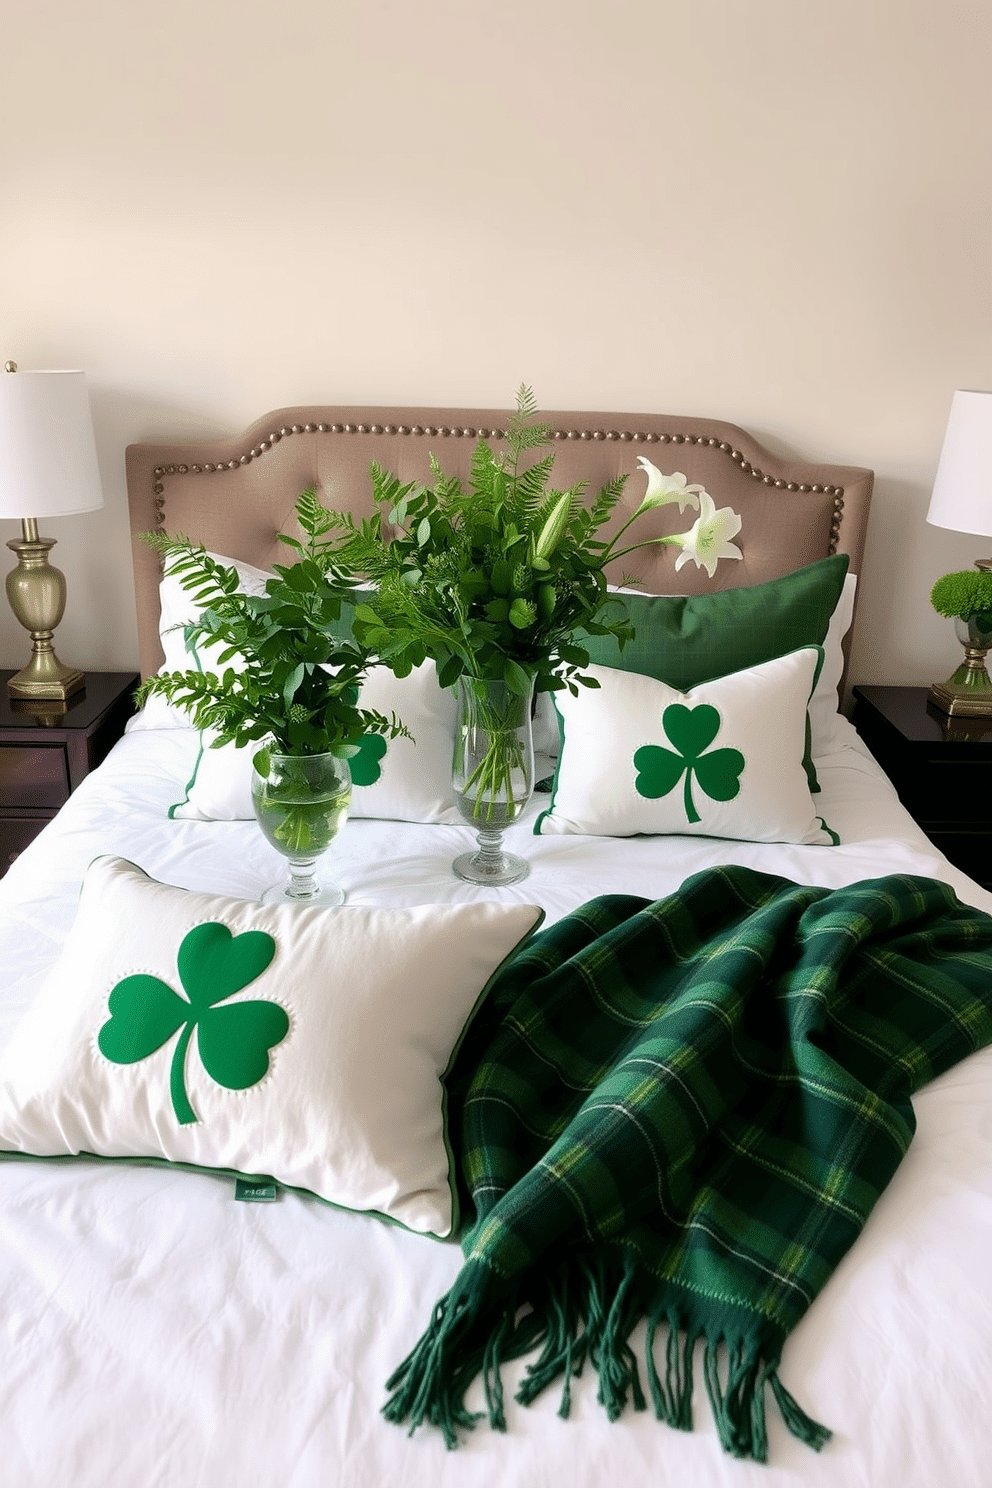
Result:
pixel 962 502
pixel 48 467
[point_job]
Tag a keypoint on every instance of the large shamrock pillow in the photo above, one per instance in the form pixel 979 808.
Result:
pixel 305 1045
pixel 724 759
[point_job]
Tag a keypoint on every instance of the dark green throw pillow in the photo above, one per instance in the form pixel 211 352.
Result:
pixel 685 639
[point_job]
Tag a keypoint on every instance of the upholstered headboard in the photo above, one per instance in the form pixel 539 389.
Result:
pixel 235 494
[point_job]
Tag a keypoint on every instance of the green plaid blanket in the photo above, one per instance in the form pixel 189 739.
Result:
pixel 683 1112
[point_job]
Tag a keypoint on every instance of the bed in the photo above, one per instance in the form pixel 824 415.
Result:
pixel 159 1332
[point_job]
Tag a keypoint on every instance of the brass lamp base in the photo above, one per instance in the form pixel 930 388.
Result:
pixel 968 693
pixel 36 592
pixel 45 678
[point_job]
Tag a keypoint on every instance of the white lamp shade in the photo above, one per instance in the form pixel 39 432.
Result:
pixel 962 490
pixel 48 464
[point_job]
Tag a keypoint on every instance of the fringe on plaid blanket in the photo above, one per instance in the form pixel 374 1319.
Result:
pixel 682 1112
pixel 585 1315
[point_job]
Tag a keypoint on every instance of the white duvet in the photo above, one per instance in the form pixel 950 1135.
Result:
pixel 156 1332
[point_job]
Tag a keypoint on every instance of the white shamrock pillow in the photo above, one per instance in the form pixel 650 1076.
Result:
pixel 722 760
pixel 307 1045
pixel 394 779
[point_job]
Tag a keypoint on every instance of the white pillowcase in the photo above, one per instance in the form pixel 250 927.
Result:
pixel 824 705
pixel 414 779
pixel 722 760
pixel 321 1040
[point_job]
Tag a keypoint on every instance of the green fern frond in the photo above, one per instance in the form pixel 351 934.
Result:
pixel 607 499
pixel 388 490
pixel 488 477
pixel 165 543
pixel 526 403
pixel 530 486
pixel 314 517
pixel 523 432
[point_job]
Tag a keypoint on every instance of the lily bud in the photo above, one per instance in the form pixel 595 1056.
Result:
pixel 553 530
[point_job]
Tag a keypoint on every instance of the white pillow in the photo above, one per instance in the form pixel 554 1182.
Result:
pixel 824 705
pixel 722 760
pixel 407 779
pixel 326 1032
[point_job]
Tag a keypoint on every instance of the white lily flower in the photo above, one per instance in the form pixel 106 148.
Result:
pixel 663 490
pixel 709 539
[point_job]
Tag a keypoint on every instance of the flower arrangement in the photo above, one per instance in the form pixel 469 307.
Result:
pixel 494 580
pixel 966 598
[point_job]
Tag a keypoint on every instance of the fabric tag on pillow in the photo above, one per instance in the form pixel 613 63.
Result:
pixel 250 1191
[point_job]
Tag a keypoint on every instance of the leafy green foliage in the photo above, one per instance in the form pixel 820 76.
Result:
pixel 493 580
pixel 301 685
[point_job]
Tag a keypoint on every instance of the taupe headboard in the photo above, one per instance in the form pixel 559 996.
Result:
pixel 235 494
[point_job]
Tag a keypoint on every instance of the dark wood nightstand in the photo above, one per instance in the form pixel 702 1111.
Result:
pixel 46 749
pixel 940 767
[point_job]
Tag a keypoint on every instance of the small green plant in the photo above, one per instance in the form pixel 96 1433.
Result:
pixel 965 595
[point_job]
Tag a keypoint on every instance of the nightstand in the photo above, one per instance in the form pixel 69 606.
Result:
pixel 939 765
pixel 47 748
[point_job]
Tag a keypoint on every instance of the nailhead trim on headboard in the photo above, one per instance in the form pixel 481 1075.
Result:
pixel 432 431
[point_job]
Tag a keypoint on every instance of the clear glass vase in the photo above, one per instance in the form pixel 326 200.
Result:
pixel 301 803
pixel 970 682
pixel 492 774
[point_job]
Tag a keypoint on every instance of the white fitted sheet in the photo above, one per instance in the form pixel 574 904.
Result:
pixel 156 1332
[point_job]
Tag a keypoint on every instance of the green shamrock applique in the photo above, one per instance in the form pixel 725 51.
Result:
pixel 692 731
pixel 364 763
pixel 233 1041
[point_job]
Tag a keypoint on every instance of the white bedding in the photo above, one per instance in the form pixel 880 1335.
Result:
pixel 158 1332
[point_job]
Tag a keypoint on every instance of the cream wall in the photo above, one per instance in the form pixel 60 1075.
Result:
pixel 773 211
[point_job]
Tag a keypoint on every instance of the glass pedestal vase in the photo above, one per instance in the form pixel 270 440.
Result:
pixel 492 775
pixel 968 691
pixel 301 803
